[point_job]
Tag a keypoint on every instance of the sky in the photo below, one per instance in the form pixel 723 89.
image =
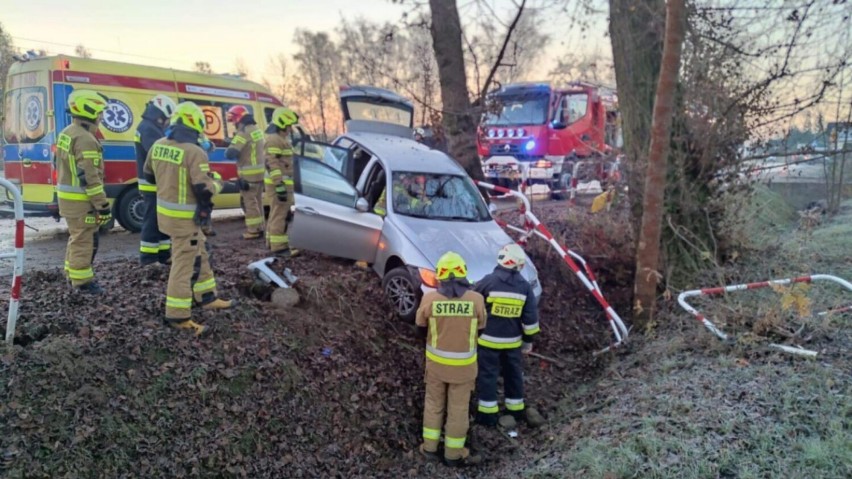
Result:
pixel 177 33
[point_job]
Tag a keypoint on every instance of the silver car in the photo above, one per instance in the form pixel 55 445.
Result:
pixel 431 205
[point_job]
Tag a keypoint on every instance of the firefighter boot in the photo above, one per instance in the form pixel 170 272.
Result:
pixel 431 456
pixel 251 235
pixel 90 288
pixel 199 330
pixel 534 418
pixel 210 301
pixel 468 459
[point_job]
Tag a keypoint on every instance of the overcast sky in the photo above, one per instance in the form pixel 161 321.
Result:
pixel 176 34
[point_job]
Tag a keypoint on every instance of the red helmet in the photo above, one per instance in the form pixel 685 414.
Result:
pixel 236 113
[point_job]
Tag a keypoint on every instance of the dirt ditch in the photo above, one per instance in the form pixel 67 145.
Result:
pixel 329 388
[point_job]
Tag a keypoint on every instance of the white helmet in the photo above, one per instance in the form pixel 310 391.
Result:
pixel 164 104
pixel 511 256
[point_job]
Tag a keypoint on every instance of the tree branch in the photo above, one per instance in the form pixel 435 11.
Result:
pixel 500 55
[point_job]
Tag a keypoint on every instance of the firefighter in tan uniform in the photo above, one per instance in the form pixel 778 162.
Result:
pixel 452 317
pixel 185 188
pixel 247 148
pixel 278 154
pixel 80 187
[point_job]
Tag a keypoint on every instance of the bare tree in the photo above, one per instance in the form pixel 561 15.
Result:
pixel 81 51
pixel 648 251
pixel 202 67
pixel 241 67
pixel 318 60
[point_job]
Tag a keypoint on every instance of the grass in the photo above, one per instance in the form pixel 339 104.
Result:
pixel 684 405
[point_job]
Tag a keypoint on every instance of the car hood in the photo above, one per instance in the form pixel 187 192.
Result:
pixel 477 243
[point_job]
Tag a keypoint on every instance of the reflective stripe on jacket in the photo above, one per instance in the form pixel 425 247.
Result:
pixel 512 309
pixel 249 144
pixel 79 170
pixel 452 325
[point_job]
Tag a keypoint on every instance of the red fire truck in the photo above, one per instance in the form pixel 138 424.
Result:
pixel 533 135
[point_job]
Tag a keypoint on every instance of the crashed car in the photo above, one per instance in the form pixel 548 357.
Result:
pixel 378 196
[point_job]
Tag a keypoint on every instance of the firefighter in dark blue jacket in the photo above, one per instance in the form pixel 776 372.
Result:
pixel 509 331
pixel 154 246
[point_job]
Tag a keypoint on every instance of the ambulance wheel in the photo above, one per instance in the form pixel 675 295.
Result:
pixel 130 211
pixel 402 292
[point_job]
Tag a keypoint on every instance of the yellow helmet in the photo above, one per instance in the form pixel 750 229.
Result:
pixel 86 103
pixel 283 117
pixel 450 263
pixel 190 115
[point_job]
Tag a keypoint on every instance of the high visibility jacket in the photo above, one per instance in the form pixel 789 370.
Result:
pixel 452 326
pixel 512 309
pixel 80 170
pixel 278 155
pixel 181 174
pixel 147 133
pixel 247 147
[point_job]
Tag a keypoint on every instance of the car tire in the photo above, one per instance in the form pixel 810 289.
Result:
pixel 402 292
pixel 130 210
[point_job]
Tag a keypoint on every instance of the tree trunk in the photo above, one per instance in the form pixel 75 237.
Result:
pixel 648 249
pixel 458 118
pixel 636 29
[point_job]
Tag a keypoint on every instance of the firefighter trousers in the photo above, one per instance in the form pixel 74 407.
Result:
pixel 454 400
pixel 190 276
pixel 279 218
pixel 253 207
pixel 491 363
pixel 81 250
pixel 154 245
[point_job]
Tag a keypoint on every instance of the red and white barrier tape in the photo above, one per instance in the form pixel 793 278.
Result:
pixel 532 226
pixel 681 299
pixel 18 255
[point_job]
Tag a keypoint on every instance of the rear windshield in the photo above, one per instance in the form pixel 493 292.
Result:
pixel 24 115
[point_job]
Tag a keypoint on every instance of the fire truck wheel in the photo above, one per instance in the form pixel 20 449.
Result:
pixel 130 211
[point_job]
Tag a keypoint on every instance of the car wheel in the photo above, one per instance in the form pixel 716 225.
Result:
pixel 402 292
pixel 130 211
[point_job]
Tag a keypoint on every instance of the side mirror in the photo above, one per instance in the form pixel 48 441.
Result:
pixel 558 125
pixel 362 205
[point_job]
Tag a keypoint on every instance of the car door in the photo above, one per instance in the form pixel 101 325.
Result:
pixel 325 217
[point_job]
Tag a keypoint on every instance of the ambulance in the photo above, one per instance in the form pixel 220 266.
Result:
pixel 35 111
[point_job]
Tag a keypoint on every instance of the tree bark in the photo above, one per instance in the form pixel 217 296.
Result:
pixel 458 116
pixel 636 29
pixel 648 248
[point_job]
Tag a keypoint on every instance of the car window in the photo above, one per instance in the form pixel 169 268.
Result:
pixel 322 182
pixel 438 197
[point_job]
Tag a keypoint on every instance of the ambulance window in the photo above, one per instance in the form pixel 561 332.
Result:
pixel 214 114
pixel 267 113
pixel 24 115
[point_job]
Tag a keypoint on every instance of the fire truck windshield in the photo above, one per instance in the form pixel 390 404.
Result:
pixel 517 110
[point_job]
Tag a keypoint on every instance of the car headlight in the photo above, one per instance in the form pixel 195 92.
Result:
pixel 428 277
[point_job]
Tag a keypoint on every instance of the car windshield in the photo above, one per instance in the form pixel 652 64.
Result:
pixel 517 110
pixel 437 197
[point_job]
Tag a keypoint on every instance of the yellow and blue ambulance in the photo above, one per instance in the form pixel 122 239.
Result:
pixel 35 102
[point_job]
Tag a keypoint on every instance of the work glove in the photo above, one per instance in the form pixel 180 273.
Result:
pixel 205 144
pixel 526 348
pixel 215 175
pixel 104 215
pixel 243 184
pixel 281 192
pixel 203 216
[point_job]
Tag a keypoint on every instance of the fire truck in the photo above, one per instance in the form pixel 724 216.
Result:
pixel 544 140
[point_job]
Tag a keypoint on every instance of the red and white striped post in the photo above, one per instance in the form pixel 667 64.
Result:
pixel 18 255
pixel 532 226
pixel 681 298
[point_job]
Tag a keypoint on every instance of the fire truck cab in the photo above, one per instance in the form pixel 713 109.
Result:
pixel 532 135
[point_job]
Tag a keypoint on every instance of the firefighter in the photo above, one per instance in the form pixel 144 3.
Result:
pixel 512 325
pixel 154 246
pixel 278 179
pixel 80 187
pixel 185 188
pixel 247 148
pixel 450 319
